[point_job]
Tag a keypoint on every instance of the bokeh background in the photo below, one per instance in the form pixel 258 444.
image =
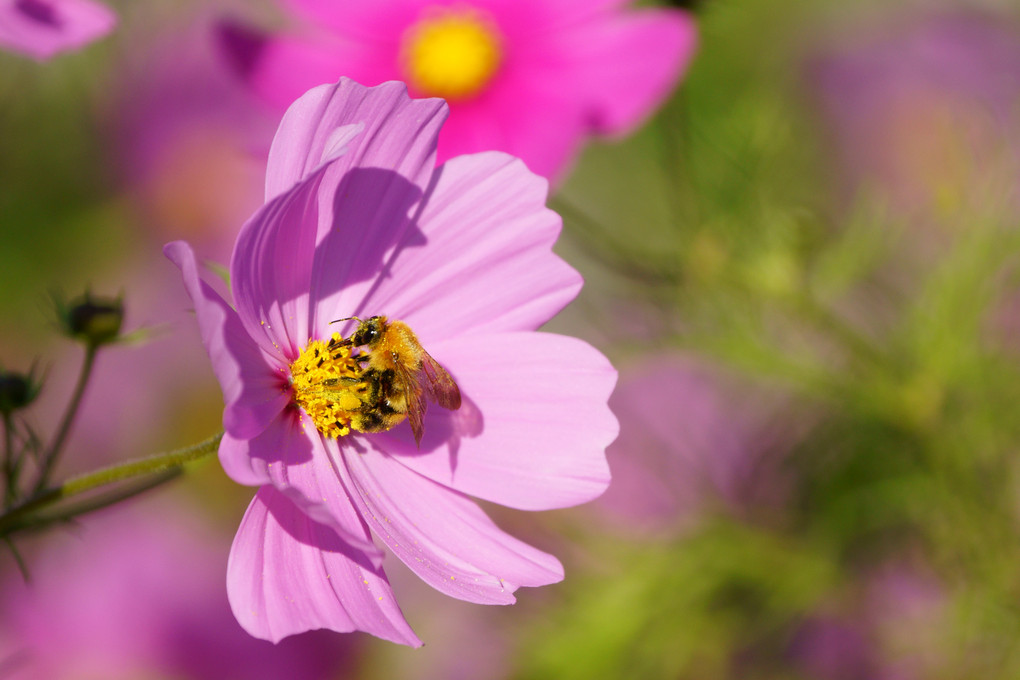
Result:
pixel 805 268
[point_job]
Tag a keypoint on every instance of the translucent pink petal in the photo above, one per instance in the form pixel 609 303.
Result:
pixel 626 65
pixel 399 134
pixel 513 442
pixel 441 535
pixel 254 389
pixel 290 454
pixel 235 457
pixel 271 269
pixel 288 574
pixel 289 282
pixel 42 28
pixel 297 262
pixel 487 263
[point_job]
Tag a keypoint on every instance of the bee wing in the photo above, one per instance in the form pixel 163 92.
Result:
pixel 417 403
pixel 439 386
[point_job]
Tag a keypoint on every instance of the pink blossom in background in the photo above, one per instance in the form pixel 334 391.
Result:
pixel 925 110
pixel 191 141
pixel 825 648
pixel 42 28
pixel 359 221
pixel 532 78
pixel 138 593
pixel 889 630
pixel 689 439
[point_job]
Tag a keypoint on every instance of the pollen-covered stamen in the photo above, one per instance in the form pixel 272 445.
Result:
pixel 451 53
pixel 327 382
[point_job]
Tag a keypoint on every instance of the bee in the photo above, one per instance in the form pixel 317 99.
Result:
pixel 401 378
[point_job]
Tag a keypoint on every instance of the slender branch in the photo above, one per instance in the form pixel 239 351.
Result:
pixel 857 344
pixel 67 511
pixel 142 466
pixel 18 559
pixel 159 463
pixel 613 252
pixel 10 481
pixel 49 459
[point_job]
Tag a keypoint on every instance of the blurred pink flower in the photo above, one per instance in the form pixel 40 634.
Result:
pixel 924 109
pixel 42 28
pixel 690 437
pixel 358 220
pixel 888 629
pixel 191 140
pixel 138 593
pixel 831 649
pixel 528 77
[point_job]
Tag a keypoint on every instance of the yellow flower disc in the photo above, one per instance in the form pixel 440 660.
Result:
pixel 451 54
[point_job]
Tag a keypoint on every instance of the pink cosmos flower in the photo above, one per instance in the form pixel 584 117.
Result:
pixel 191 141
pixel 528 77
pixel 359 221
pixel 42 28
pixel 922 107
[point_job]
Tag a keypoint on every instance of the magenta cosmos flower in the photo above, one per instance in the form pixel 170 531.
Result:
pixel 529 77
pixel 359 221
pixel 42 28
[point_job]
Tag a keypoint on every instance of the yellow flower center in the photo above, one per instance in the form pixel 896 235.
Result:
pixel 451 53
pixel 328 385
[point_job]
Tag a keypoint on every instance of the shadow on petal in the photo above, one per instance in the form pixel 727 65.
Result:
pixel 443 430
pixel 306 531
pixel 372 220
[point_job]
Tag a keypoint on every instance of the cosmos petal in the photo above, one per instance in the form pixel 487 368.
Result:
pixel 287 574
pixel 281 68
pixel 289 455
pixel 252 390
pixel 525 114
pixel 399 135
pixel 441 535
pixel 298 261
pixel 372 20
pixel 271 268
pixel 520 440
pixel 625 65
pixel 485 224
pixel 235 457
pixel 42 28
pixel 381 21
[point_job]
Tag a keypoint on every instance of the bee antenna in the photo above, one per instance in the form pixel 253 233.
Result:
pixel 347 318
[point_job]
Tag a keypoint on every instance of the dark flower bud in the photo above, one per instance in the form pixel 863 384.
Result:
pixel 94 321
pixel 16 391
pixel 686 4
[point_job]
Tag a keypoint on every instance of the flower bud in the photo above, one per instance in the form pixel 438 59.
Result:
pixel 16 391
pixel 94 321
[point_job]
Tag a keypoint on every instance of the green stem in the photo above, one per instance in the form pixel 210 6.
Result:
pixel 862 349
pixel 65 511
pixel 18 559
pixel 617 254
pixel 49 459
pixel 159 463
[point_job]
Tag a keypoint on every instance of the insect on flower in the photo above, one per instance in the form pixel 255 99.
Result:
pixel 401 377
